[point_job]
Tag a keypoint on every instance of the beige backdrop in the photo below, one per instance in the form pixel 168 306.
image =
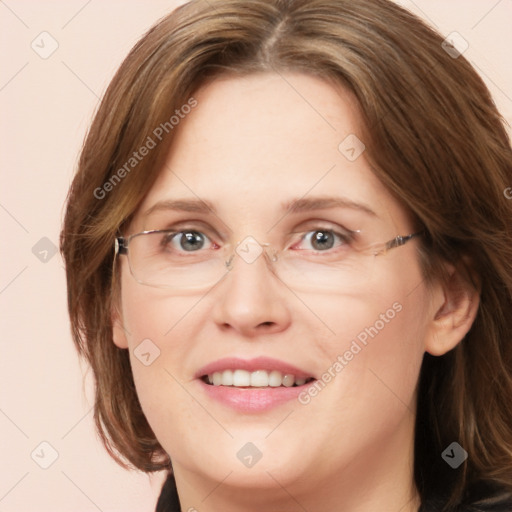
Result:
pixel 57 58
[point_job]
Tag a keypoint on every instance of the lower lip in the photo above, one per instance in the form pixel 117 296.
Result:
pixel 252 399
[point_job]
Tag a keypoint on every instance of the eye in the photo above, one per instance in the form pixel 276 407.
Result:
pixel 323 239
pixel 187 240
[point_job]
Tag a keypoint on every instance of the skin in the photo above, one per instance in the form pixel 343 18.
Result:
pixel 250 144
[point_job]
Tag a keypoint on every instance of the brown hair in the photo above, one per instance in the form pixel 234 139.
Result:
pixel 433 136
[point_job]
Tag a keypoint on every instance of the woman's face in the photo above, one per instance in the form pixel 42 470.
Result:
pixel 355 323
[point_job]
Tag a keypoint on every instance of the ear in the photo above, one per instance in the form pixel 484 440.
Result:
pixel 118 330
pixel 454 307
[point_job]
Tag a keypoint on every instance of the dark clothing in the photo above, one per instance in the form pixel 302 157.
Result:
pixel 484 498
pixel 168 500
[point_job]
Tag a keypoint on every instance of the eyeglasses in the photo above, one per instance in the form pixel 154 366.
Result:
pixel 155 259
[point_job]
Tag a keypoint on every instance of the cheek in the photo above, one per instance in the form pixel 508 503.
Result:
pixel 380 332
pixel 369 371
pixel 158 328
pixel 152 313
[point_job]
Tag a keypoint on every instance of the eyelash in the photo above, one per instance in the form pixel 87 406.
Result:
pixel 346 237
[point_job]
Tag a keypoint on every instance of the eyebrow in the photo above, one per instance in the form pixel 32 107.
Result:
pixel 183 205
pixel 322 203
pixel 293 206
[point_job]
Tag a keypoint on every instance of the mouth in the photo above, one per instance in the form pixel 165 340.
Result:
pixel 244 379
pixel 252 385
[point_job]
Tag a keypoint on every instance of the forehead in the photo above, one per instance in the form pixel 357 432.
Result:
pixel 255 143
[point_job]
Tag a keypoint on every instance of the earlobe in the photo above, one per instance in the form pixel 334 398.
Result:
pixel 455 304
pixel 118 330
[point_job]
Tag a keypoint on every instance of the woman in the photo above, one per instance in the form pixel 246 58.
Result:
pixel 288 251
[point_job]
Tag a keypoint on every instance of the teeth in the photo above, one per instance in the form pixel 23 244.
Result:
pixel 227 378
pixel 275 378
pixel 288 380
pixel 241 378
pixel 257 379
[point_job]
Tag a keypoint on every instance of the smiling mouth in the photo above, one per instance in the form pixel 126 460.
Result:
pixel 258 379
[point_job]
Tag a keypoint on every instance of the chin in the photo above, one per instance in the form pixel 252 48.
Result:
pixel 250 460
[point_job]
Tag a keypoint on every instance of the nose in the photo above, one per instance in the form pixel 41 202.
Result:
pixel 251 300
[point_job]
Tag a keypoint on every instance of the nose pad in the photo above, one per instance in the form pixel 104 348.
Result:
pixel 229 263
pixel 268 252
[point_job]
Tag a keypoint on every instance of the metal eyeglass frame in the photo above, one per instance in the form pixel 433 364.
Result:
pixel 121 245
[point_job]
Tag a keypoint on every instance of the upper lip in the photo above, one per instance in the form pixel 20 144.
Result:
pixel 251 365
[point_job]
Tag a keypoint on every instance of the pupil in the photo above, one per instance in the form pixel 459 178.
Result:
pixel 193 238
pixel 322 238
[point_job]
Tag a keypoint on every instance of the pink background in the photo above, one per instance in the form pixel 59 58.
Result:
pixel 46 106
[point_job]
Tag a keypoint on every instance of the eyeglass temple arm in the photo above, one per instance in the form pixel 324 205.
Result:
pixel 401 240
pixel 120 245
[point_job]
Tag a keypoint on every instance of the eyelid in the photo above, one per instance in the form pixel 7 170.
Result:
pixel 345 237
pixel 327 226
pixel 193 225
pixel 174 239
pixel 306 227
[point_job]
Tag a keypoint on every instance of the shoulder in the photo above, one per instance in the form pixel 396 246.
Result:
pixel 482 497
pixel 489 497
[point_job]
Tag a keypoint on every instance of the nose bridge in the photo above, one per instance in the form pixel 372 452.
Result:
pixel 250 300
pixel 251 255
pixel 249 251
